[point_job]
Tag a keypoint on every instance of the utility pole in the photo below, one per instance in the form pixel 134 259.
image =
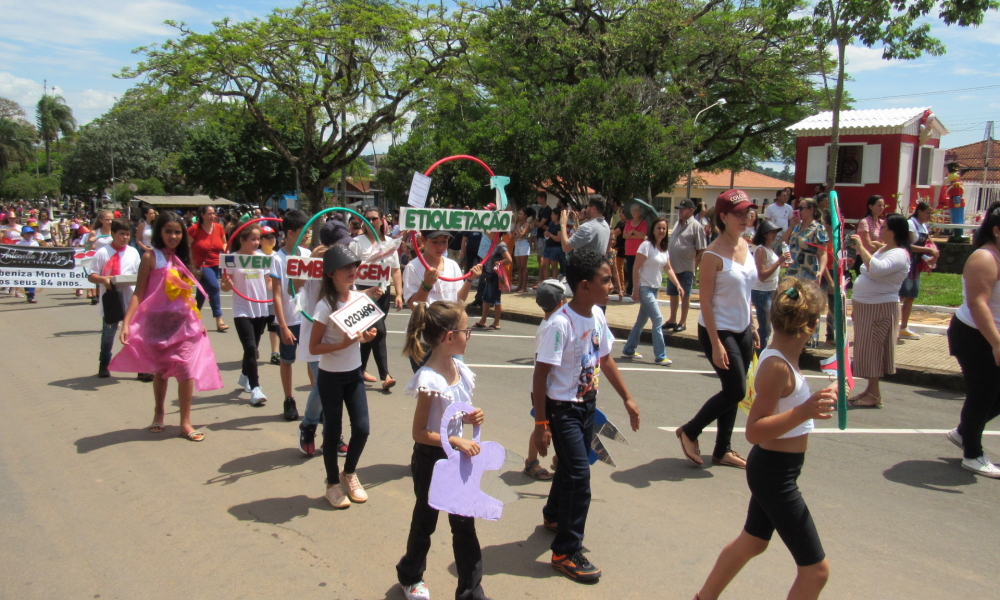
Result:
pixel 343 170
pixel 986 153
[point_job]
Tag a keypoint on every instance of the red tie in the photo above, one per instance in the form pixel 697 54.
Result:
pixel 114 266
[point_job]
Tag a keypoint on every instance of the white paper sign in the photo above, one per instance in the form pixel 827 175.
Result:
pixel 304 267
pixel 373 274
pixel 357 316
pixel 245 261
pixel 45 278
pixel 420 188
pixel 444 219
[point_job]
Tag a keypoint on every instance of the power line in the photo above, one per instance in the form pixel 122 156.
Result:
pixel 920 94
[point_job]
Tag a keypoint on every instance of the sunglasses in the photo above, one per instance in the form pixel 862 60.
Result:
pixel 467 332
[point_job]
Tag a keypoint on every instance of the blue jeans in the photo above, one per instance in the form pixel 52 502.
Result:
pixel 762 302
pixel 648 309
pixel 314 408
pixel 108 333
pixel 210 281
pixel 572 426
pixel 337 391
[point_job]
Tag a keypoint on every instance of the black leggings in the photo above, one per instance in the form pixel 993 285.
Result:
pixel 249 330
pixel 338 391
pixel 377 345
pixel 722 406
pixel 777 504
pixel 982 384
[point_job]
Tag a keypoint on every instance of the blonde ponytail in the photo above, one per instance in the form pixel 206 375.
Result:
pixel 414 330
pixel 797 307
pixel 431 324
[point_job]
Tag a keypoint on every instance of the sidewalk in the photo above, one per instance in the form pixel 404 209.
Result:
pixel 924 362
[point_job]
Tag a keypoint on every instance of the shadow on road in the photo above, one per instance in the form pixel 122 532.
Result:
pixel 518 558
pixel 938 476
pixel 122 436
pixel 245 423
pixel 275 511
pixel 376 475
pixel 661 469
pixel 231 365
pixel 941 395
pixel 88 383
pixel 255 464
pixel 60 334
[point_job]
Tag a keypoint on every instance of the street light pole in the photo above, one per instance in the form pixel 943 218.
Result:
pixel 720 102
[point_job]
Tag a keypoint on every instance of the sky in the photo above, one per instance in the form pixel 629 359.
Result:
pixel 76 48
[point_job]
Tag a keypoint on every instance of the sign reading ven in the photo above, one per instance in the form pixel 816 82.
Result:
pixel 245 261
pixel 445 219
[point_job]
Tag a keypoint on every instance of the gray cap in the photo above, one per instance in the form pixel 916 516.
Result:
pixel 550 294
pixel 766 226
pixel 338 257
pixel 334 232
pixel 429 234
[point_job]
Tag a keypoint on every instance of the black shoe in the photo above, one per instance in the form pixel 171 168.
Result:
pixel 275 359
pixel 103 372
pixel 576 567
pixel 669 326
pixel 145 377
pixel 307 439
pixel 679 329
pixel 291 411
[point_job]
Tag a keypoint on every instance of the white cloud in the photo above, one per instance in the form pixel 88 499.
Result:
pixel 86 104
pixel 860 59
pixel 966 97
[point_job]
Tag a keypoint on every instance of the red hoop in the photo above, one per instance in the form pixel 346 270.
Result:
pixel 230 240
pixel 413 234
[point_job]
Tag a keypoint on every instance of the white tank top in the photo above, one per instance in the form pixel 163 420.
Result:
pixel 731 299
pixel 963 313
pixel 797 397
pixel 771 283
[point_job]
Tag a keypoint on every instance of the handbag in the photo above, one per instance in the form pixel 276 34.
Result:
pixel 113 305
pixel 503 277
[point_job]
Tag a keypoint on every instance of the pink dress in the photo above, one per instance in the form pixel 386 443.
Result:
pixel 166 335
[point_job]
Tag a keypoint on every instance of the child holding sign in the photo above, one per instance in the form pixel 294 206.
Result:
pixel 250 318
pixel 340 382
pixel 779 424
pixel 444 328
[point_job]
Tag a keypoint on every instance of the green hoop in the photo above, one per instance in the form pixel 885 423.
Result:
pixel 305 228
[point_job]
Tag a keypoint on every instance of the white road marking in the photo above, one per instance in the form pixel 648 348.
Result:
pixel 621 368
pixel 836 430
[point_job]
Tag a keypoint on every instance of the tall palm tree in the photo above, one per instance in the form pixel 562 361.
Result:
pixel 16 144
pixel 54 118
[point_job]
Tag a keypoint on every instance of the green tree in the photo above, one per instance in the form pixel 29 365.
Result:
pixel 25 186
pixel 17 139
pixel 10 109
pixel 53 118
pixel 900 27
pixel 349 69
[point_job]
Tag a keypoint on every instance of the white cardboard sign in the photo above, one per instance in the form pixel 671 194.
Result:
pixel 420 188
pixel 357 316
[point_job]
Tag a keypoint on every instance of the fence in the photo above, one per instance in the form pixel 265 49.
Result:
pixel 978 197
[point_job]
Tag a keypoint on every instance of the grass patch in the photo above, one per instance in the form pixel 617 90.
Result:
pixel 938 289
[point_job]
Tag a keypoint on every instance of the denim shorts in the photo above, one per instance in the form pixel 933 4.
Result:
pixel 287 352
pixel 553 253
pixel 910 287
pixel 686 279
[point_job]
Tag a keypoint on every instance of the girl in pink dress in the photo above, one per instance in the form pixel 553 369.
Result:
pixel 162 332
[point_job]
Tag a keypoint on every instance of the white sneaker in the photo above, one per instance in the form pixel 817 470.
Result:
pixel 338 499
pixel 956 438
pixel 981 466
pixel 244 382
pixel 906 334
pixel 257 397
pixel 417 591
pixel 349 481
pixel 665 362
pixel 636 355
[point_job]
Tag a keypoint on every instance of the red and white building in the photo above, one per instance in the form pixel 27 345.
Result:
pixel 892 152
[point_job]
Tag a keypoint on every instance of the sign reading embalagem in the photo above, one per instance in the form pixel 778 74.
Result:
pixel 31 257
pixel 446 219
pixel 29 266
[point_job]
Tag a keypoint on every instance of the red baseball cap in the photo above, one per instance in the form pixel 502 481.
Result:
pixel 490 206
pixel 732 200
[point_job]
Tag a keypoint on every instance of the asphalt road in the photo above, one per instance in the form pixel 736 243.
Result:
pixel 94 506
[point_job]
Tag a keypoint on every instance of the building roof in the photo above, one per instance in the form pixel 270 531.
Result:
pixel 745 180
pixel 972 157
pixel 875 121
pixel 184 201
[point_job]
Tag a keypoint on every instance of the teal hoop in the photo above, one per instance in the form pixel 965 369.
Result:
pixel 305 228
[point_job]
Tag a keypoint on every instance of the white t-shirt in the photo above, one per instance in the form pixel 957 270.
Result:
pixel 443 395
pixel 347 359
pixel 779 215
pixel 881 277
pixel 11 234
pixel 278 272
pixel 538 341
pixel 24 242
pixel 102 240
pixel 360 245
pixel 252 283
pixel 413 276
pixel 129 259
pixel 310 296
pixel 651 272
pixel 574 345
pixel 916 228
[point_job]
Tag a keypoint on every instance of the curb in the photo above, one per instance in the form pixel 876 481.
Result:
pixel 930 378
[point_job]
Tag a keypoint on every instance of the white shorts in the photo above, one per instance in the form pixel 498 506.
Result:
pixel 522 248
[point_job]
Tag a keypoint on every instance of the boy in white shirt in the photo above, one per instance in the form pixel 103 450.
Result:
pixel 574 349
pixel 288 320
pixel 779 213
pixel 115 259
pixel 549 297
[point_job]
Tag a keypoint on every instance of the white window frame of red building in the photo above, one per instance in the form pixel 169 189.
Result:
pixel 935 172
pixel 871 164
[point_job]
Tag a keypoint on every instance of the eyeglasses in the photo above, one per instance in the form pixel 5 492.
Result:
pixel 467 332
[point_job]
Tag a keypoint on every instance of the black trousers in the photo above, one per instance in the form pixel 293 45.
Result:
pixel 629 267
pixel 982 384
pixel 377 345
pixel 572 426
pixel 338 391
pixel 464 541
pixel 777 504
pixel 249 331
pixel 722 407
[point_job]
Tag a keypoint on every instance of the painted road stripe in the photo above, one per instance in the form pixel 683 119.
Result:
pixel 835 430
pixel 621 368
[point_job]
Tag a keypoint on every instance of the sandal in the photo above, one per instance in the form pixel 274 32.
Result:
pixel 222 328
pixel 695 455
pixel 479 325
pixel 194 436
pixel 494 327
pixel 856 401
pixel 156 428
pixel 536 471
pixel 388 383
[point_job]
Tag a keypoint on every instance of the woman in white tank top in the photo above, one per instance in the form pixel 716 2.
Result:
pixel 725 328
pixel 974 340
pixel 780 420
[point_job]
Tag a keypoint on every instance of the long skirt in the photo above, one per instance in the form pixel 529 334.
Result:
pixel 876 327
